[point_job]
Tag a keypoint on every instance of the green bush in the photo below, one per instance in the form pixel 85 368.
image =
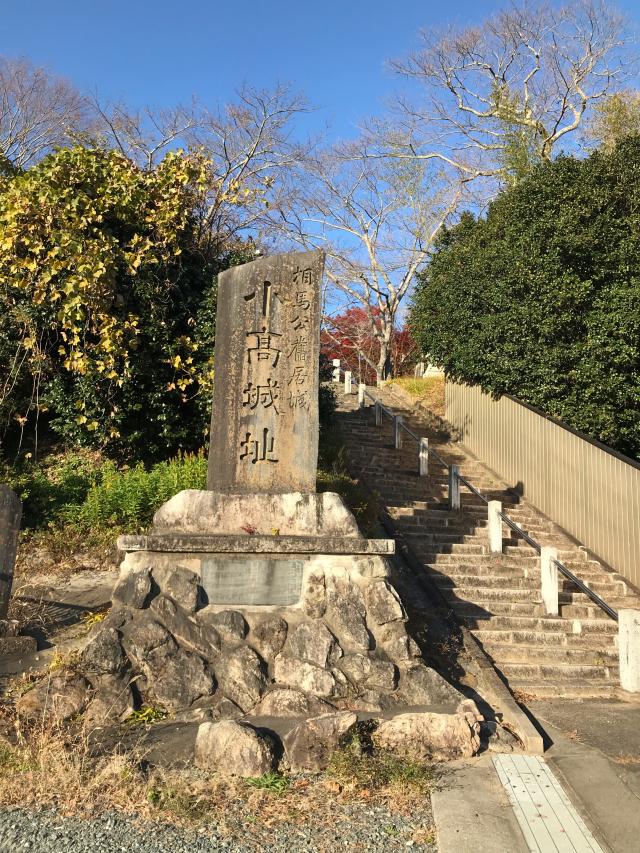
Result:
pixel 47 490
pixel 541 298
pixel 128 499
pixel 107 304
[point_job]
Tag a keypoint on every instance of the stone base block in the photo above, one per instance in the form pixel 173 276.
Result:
pixel 292 514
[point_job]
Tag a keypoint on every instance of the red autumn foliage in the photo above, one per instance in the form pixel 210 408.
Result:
pixel 349 337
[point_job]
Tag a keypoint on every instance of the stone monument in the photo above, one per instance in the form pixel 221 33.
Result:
pixel 259 533
pixel 258 598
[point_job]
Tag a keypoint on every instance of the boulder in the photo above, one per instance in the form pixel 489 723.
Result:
pixel 304 676
pixel 133 587
pixel 314 601
pixel 345 615
pixel 112 702
pixel 310 744
pixel 144 634
pixel 180 584
pixel 230 624
pixel 268 637
pixel 241 677
pixel 312 641
pixel 363 671
pixel 421 685
pixel 383 603
pixel 235 749
pixel 374 702
pixel 284 702
pixel 428 736
pixel 58 698
pixel 200 638
pixel 103 654
pixel 177 678
pixel 401 649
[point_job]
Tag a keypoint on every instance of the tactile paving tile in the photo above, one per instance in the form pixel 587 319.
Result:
pixel 548 820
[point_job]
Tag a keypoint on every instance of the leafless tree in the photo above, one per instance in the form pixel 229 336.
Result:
pixel 377 220
pixel 494 97
pixel 37 112
pixel 249 144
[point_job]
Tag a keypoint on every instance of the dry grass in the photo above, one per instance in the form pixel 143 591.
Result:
pixel 360 771
pixel 64 551
pixel 60 767
pixel 428 390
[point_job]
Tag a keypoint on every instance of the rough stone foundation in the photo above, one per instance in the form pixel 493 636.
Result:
pixel 341 649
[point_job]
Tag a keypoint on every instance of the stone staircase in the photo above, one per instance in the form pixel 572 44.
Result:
pixel 496 596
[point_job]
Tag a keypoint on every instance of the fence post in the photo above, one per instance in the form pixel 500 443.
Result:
pixel 361 389
pixel 347 382
pixel 454 487
pixel 549 580
pixel 377 410
pixel 495 527
pixel 397 431
pixel 629 649
pixel 336 370
pixel 423 458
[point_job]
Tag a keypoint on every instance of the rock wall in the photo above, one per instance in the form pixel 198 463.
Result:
pixel 345 651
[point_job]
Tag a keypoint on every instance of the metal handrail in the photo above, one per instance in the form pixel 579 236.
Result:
pixel 508 521
pixel 516 527
pixel 472 488
pixel 589 592
pixel 416 438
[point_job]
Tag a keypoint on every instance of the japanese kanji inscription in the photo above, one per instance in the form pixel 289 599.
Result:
pixel 264 424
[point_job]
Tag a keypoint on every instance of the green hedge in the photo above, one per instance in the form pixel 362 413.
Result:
pixel 541 298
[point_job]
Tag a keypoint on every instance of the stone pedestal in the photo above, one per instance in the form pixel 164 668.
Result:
pixel 273 593
pixel 257 551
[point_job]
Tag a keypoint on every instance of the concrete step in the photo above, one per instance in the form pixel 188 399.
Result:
pixel 546 638
pixel 489 581
pixel 512 653
pixel 604 627
pixel 528 673
pixel 548 688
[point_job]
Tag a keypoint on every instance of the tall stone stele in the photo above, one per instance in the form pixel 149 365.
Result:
pixel 264 423
pixel 259 535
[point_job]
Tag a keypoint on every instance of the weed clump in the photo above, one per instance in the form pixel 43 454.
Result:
pixel 360 767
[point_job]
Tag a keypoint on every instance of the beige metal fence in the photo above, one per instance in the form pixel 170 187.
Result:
pixel 592 492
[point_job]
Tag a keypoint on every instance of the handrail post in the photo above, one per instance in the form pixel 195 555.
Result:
pixel 495 527
pixel 549 580
pixel 347 382
pixel 454 487
pixel 377 410
pixel 361 389
pixel 629 649
pixel 423 457
pixel 397 432
pixel 336 370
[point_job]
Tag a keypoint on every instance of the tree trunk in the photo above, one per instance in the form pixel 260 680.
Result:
pixel 385 365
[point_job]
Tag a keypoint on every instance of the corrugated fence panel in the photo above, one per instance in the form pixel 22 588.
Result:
pixel 593 493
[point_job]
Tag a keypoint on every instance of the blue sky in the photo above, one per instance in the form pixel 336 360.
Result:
pixel 165 52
